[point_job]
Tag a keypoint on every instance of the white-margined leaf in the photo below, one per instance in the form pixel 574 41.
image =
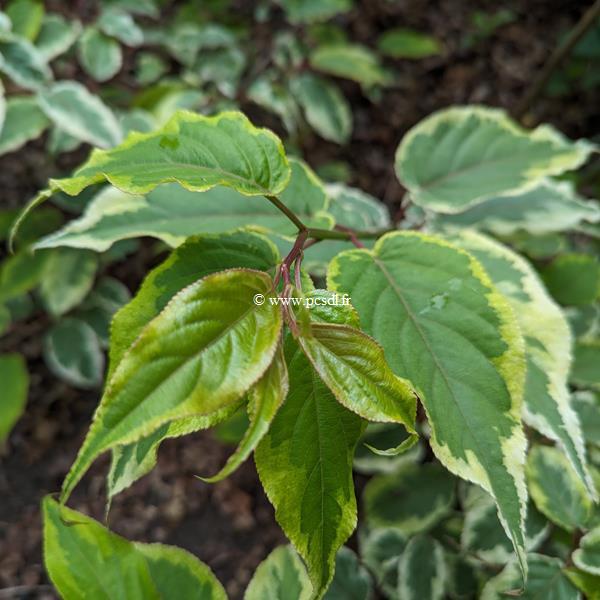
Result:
pixel 208 346
pixel 423 574
pixel 549 207
pixel 483 536
pixel 412 500
pixel 56 36
pixel 548 342
pixel 99 55
pixel 281 575
pixel 81 114
pixel 24 121
pixel 120 25
pixel 68 277
pixel 461 156
pixel 22 62
pixel 546 580
pixel 172 213
pixel 325 108
pixel 446 328
pixel 72 352
pixel 84 559
pixel 587 556
pixel 549 471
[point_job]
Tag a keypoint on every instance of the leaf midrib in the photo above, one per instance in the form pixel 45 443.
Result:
pixel 432 183
pixel 438 365
pixel 121 171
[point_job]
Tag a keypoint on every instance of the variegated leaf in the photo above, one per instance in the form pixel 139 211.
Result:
pixel 446 328
pixel 548 342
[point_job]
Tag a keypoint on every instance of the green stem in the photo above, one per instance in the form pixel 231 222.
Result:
pixel 323 234
pixel 287 212
pixel 334 234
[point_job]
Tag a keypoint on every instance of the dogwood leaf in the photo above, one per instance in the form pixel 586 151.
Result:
pixel 85 559
pixel 547 405
pixel 305 465
pixel 454 337
pixel 200 354
pixel 461 156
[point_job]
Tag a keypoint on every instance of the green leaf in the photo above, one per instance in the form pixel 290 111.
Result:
pixel 555 488
pixel 305 465
pixel 2 106
pixel 26 17
pixel 308 11
pixel 587 406
pixel 381 550
pixel 326 109
pixel 149 68
pixel 72 352
pixel 200 354
pixel 172 213
pixel 198 257
pixel 551 206
pixel 130 462
pixel 197 152
pixel 86 560
pixel 80 114
pixel 354 368
pixel 118 24
pixel 5 319
pixel 22 62
pixel 546 580
pixel 587 583
pixel 15 384
pixel 351 580
pixel 350 61
pixel 281 576
pixel 573 279
pixel 461 156
pixel 20 273
pixel 265 399
pixel 585 366
pixel 370 459
pixel 453 336
pixel 584 320
pixel 408 43
pixel 547 405
pixel 99 55
pixel 349 207
pixel 587 556
pixel 274 97
pixel 423 573
pixel 56 36
pixel 483 536
pixel 98 308
pixel 5 24
pixel 24 121
pixel 413 499
pixel 68 277
pixel 356 209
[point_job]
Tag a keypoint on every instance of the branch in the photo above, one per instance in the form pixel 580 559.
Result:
pixel 342 233
pixel 584 24
pixel 333 234
pixel 287 212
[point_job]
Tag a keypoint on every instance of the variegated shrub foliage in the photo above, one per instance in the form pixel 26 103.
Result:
pixel 300 305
